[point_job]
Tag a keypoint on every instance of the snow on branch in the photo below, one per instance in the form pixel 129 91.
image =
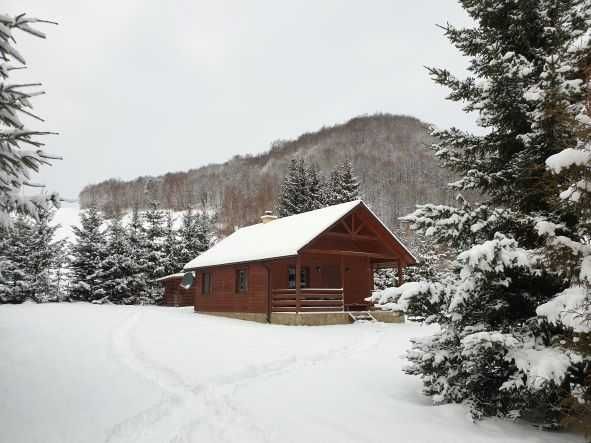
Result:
pixel 535 366
pixel 567 158
pixel 17 164
pixel 571 308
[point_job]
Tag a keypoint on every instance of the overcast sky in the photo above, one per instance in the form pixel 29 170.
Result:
pixel 143 87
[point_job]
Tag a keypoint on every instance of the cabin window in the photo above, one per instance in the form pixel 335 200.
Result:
pixel 304 280
pixel 242 280
pixel 206 283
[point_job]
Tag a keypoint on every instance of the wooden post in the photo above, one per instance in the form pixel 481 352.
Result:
pixel 298 282
pixel 400 276
pixel 343 279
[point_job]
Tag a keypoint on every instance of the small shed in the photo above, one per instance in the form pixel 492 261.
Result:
pixel 174 293
pixel 317 262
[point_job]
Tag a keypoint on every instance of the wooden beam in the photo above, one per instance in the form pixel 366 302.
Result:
pixel 354 236
pixel 400 275
pixel 346 226
pixel 298 282
pixel 359 226
pixel 354 253
pixel 343 277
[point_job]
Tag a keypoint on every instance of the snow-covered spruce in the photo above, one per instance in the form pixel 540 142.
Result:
pixel 88 251
pixel 21 149
pixel 303 189
pixel 118 260
pixel 514 309
pixel 342 186
pixel 31 260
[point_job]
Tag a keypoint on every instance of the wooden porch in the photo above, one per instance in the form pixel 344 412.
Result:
pixel 307 300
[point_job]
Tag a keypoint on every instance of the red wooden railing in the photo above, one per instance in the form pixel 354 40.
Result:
pixel 308 300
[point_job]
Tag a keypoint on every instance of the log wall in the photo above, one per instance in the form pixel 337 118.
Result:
pixel 175 295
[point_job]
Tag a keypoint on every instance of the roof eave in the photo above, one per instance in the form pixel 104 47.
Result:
pixel 243 262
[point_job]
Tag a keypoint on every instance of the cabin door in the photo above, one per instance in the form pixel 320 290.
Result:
pixel 357 281
pixel 331 276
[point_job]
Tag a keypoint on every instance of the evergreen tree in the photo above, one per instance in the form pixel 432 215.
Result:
pixel 170 247
pixel 569 253
pixel 13 256
pixel 21 153
pixel 384 278
pixel 293 198
pixel 117 270
pixel 528 86
pixel 87 253
pixel 349 189
pixel 314 189
pixel 138 249
pixel 45 259
pixel 302 189
pixel 332 188
pixel 153 226
pixel 342 185
pixel 194 236
pixel 30 260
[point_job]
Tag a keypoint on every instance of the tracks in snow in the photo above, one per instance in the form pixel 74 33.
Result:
pixel 186 412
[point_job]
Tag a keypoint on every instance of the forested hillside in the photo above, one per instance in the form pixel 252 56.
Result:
pixel 394 169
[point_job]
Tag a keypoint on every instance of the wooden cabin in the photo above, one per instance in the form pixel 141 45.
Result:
pixel 316 262
pixel 174 293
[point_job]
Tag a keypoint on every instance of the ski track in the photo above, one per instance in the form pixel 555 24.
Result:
pixel 185 410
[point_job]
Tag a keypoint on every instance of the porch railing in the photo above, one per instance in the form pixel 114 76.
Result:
pixel 308 300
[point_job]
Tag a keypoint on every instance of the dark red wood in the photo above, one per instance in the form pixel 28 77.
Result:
pixel 175 295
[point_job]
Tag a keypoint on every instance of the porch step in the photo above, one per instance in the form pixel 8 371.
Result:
pixel 361 316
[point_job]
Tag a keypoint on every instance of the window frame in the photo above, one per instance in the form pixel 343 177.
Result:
pixel 237 288
pixel 304 282
pixel 206 276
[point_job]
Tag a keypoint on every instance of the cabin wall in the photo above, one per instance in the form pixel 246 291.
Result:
pixel 325 272
pixel 223 296
pixel 175 295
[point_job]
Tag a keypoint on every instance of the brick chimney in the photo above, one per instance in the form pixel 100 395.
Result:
pixel 268 217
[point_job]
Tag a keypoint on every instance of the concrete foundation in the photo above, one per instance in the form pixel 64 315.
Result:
pixel 309 318
pixel 388 316
pixel 250 316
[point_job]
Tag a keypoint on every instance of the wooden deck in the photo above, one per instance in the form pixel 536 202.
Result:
pixel 308 300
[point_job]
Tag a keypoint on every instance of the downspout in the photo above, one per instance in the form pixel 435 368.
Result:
pixel 268 292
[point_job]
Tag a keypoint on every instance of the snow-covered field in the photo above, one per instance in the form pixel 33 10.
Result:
pixel 86 373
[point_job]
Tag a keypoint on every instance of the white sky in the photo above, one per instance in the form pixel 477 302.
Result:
pixel 143 87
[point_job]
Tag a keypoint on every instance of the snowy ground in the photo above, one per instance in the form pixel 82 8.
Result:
pixel 86 373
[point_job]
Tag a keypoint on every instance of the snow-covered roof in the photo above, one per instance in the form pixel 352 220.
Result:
pixel 283 237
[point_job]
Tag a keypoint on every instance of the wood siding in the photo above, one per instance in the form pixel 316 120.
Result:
pixel 175 295
pixel 223 296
